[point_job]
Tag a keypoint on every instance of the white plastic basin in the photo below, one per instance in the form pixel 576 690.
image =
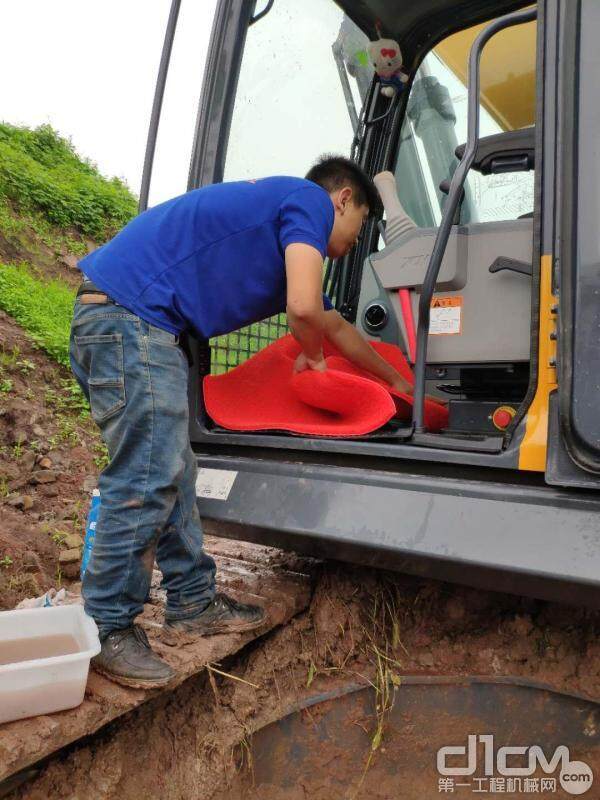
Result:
pixel 41 685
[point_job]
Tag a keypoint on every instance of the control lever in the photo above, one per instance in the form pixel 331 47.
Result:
pixel 512 264
pixel 398 223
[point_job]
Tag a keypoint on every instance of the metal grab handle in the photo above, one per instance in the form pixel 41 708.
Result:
pixel 262 13
pixel 454 195
pixel 159 94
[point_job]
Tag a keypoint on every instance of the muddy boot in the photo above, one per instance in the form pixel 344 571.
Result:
pixel 127 658
pixel 223 615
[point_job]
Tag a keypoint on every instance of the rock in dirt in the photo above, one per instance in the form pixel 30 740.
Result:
pixel 90 482
pixel 72 541
pixel 28 461
pixel 39 432
pixel 69 562
pixel 44 476
pixel 24 502
pixel 69 556
pixel 45 463
pixel 19 437
pixel 70 261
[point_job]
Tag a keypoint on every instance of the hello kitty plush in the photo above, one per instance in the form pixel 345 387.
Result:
pixel 386 57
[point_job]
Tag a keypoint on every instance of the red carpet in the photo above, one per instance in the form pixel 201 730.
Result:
pixel 264 394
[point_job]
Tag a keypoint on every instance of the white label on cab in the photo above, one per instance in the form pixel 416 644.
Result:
pixel 445 317
pixel 215 484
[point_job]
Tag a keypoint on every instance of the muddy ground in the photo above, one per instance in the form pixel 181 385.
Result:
pixel 194 742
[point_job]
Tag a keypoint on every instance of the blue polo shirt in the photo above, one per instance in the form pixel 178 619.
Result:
pixel 212 260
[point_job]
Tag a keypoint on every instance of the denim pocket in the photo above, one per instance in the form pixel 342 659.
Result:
pixel 161 336
pixel 101 355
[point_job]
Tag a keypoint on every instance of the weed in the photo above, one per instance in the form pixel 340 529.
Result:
pixel 102 458
pixel 25 366
pixel 9 358
pixel 245 760
pixel 4 490
pixel 77 514
pixel 5 562
pixel 58 537
pixel 6 385
pixel 67 431
pixel 17 450
pixel 24 584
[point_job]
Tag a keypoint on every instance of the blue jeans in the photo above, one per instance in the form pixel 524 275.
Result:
pixel 135 377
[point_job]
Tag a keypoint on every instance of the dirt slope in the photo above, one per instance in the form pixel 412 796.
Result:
pixel 49 460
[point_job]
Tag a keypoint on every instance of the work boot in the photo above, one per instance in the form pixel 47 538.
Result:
pixel 127 658
pixel 222 615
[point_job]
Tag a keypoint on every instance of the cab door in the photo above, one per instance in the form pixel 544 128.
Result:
pixel 574 443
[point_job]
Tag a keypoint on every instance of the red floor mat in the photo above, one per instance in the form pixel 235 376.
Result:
pixel 264 394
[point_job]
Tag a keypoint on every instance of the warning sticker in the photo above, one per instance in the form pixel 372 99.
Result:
pixel 215 484
pixel 446 316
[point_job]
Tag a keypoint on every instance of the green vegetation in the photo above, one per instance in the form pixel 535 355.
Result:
pixel 43 309
pixel 40 172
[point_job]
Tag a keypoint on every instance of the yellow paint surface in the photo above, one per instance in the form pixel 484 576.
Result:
pixel 507 71
pixel 532 453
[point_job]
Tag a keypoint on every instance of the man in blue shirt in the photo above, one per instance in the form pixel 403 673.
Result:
pixel 209 262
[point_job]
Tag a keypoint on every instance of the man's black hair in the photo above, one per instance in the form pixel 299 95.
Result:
pixel 334 172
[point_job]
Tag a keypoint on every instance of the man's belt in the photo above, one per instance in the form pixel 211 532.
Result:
pixel 88 292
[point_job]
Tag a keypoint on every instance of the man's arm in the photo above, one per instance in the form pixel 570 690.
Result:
pixel 305 313
pixel 357 350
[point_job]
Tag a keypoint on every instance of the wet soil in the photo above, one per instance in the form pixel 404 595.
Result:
pixel 361 625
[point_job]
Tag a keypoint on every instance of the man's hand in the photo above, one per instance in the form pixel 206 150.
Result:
pixel 401 385
pixel 357 350
pixel 303 363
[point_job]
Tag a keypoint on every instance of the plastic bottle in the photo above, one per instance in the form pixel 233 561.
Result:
pixel 90 530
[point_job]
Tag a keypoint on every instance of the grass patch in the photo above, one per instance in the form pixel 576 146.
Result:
pixel 40 172
pixel 43 309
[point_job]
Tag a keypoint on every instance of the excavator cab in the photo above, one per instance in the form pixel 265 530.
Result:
pixel 483 270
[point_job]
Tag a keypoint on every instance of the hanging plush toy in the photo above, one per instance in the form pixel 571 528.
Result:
pixel 386 57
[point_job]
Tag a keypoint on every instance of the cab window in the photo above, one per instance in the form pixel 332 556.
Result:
pixel 300 90
pixel 436 122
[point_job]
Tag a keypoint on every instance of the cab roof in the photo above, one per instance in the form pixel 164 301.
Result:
pixel 420 24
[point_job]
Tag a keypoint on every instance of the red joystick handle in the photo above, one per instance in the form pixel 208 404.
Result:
pixel 409 323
